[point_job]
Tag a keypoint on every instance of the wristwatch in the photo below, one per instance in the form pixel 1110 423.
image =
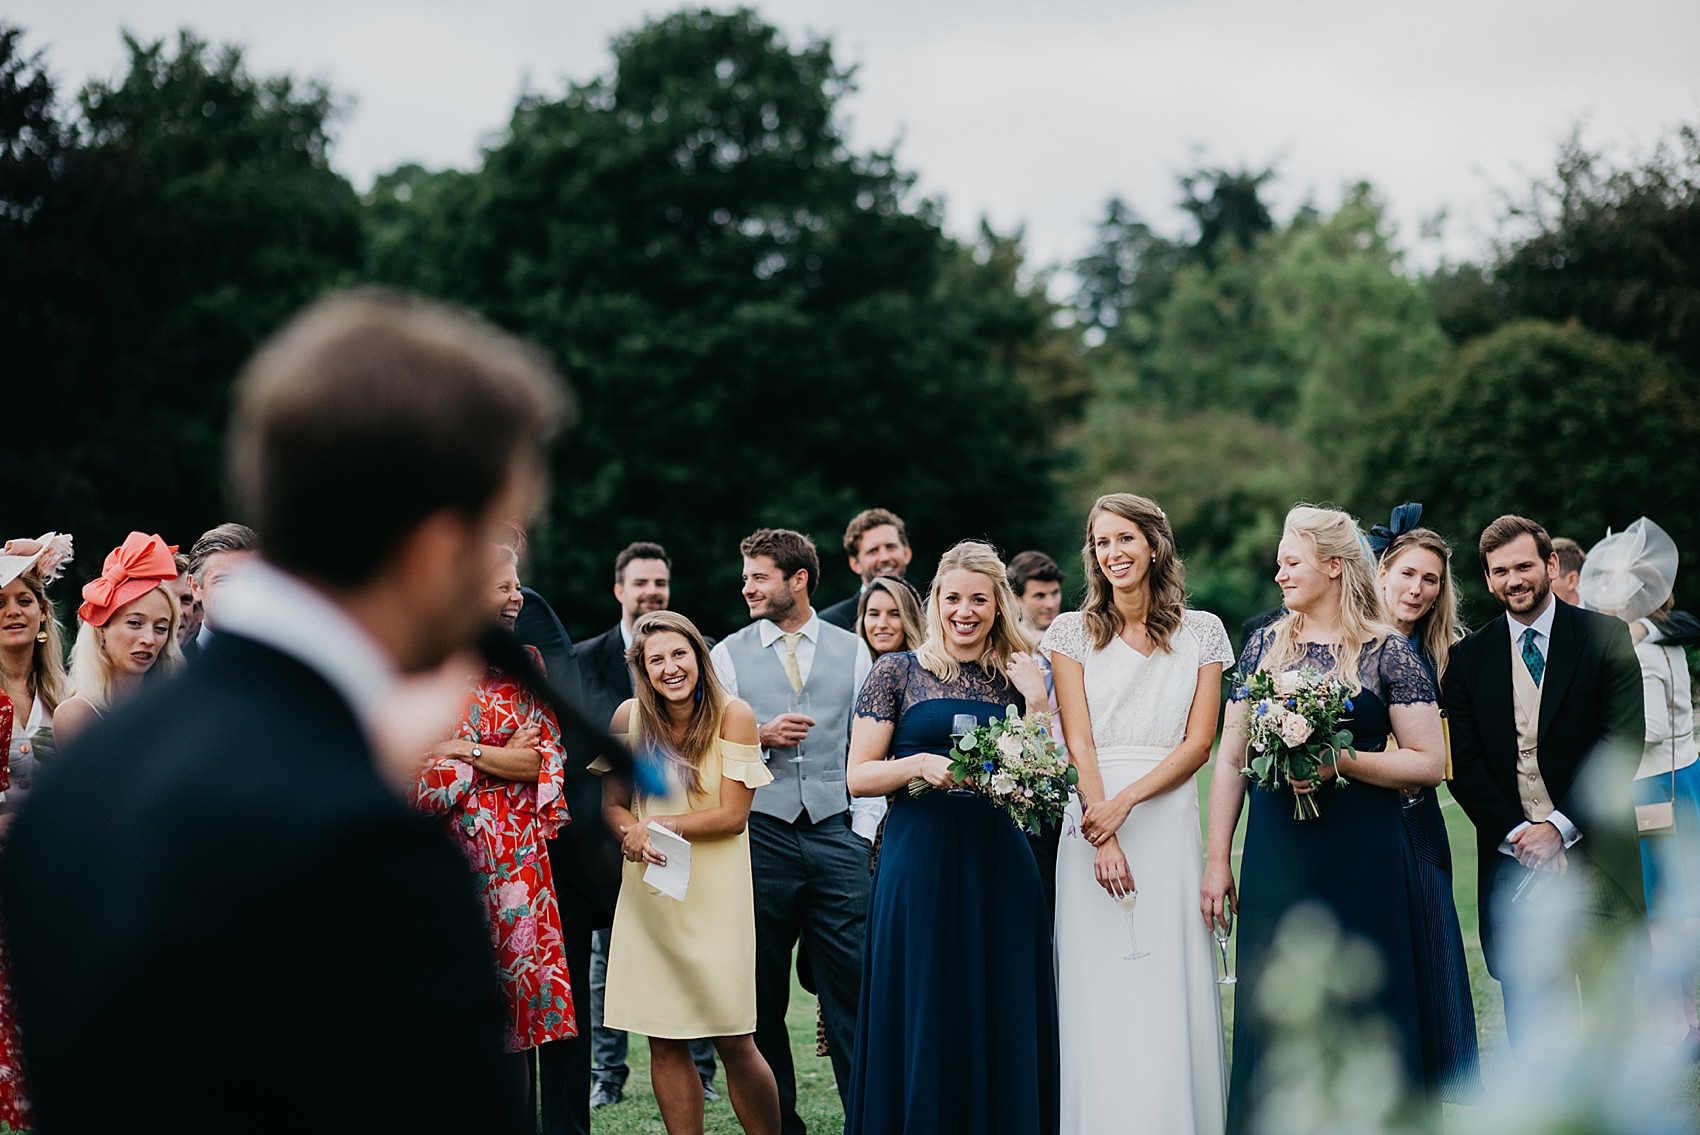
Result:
pixel 477 752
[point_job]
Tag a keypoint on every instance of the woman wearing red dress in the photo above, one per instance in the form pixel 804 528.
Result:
pixel 498 781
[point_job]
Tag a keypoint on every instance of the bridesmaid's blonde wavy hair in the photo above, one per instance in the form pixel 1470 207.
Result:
pixel 649 725
pixel 1006 637
pixel 1333 535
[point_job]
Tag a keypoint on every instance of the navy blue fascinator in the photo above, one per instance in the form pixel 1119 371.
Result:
pixel 1402 520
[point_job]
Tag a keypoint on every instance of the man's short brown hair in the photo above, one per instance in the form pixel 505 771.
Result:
pixel 868 519
pixel 369 412
pixel 1508 528
pixel 638 550
pixel 1030 567
pixel 791 552
pixel 229 537
pixel 1571 557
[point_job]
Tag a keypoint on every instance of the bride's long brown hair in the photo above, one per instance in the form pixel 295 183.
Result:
pixel 1166 577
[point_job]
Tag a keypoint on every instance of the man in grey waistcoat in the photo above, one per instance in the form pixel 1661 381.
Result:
pixel 809 850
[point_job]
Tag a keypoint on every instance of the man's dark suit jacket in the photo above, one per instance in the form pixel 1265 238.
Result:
pixel 220 919
pixel 607 678
pixel 1591 712
pixel 585 860
pixel 843 613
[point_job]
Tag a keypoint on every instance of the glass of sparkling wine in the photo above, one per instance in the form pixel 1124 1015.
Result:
pixel 960 726
pixel 799 705
pixel 1125 903
pixel 1222 930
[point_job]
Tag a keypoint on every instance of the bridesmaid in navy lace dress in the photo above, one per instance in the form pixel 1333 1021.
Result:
pixel 957 1030
pixel 1416 582
pixel 1354 862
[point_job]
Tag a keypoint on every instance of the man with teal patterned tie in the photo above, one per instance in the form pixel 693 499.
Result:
pixel 1545 712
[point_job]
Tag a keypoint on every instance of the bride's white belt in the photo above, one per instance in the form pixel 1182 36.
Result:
pixel 1127 754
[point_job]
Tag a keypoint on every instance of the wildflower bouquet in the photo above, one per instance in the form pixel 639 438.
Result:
pixel 1015 761
pixel 1293 724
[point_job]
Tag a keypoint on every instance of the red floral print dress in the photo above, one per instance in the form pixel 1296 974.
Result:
pixel 501 825
pixel 14 1100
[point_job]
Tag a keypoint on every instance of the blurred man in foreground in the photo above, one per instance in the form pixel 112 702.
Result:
pixel 222 915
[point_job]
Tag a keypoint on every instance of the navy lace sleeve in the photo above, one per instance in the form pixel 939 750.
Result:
pixel 1402 675
pixel 1256 646
pixel 882 692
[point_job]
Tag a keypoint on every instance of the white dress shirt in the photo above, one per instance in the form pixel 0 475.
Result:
pixel 1542 627
pixel 865 811
pixel 279 610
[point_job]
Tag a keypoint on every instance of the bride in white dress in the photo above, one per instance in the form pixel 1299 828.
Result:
pixel 1138 684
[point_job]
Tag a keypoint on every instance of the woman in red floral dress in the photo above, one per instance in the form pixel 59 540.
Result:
pixel 498 782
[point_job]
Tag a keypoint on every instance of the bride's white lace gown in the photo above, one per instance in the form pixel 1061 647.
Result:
pixel 1141 1039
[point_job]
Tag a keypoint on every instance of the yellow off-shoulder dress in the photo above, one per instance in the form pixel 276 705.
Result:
pixel 688 969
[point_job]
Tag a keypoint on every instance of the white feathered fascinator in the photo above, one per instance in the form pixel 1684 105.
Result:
pixel 48 555
pixel 1630 573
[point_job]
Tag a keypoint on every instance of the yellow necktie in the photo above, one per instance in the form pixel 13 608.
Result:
pixel 791 670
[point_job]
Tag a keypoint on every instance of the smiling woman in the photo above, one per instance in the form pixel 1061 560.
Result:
pixel 128 630
pixel 498 784
pixel 685 967
pixel 958 942
pixel 888 616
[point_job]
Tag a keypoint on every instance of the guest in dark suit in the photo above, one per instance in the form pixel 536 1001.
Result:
pixel 1546 718
pixel 189 612
pixel 222 914
pixel 1571 557
pixel 642 577
pixel 878 544
pixel 587 874
pixel 215 557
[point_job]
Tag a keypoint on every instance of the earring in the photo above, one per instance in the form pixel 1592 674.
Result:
pixel 41 635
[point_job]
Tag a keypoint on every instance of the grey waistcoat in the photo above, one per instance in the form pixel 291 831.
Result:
pixel 817 784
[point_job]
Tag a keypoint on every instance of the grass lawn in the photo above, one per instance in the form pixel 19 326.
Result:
pixel 818 1098
pixel 1484 991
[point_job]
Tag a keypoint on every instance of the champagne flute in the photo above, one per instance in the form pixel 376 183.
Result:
pixel 1125 902
pixel 960 726
pixel 1221 931
pixel 799 705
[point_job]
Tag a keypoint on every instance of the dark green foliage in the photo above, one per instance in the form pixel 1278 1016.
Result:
pixel 1617 249
pixel 180 216
pixel 1230 213
pixel 762 327
pixel 1568 427
pixel 768 327
pixel 1299 361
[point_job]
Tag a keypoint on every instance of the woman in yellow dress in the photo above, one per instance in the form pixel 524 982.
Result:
pixel 680 969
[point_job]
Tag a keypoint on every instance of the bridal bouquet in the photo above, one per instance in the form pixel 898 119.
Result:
pixel 1293 725
pixel 1015 762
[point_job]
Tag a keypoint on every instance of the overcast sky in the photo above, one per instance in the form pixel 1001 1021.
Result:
pixel 1027 113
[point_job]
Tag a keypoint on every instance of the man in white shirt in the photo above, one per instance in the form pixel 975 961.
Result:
pixel 1571 557
pixel 877 543
pixel 810 847
pixel 1546 717
pixel 223 899
pixel 219 554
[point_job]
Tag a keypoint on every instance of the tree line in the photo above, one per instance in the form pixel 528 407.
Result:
pixel 765 325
